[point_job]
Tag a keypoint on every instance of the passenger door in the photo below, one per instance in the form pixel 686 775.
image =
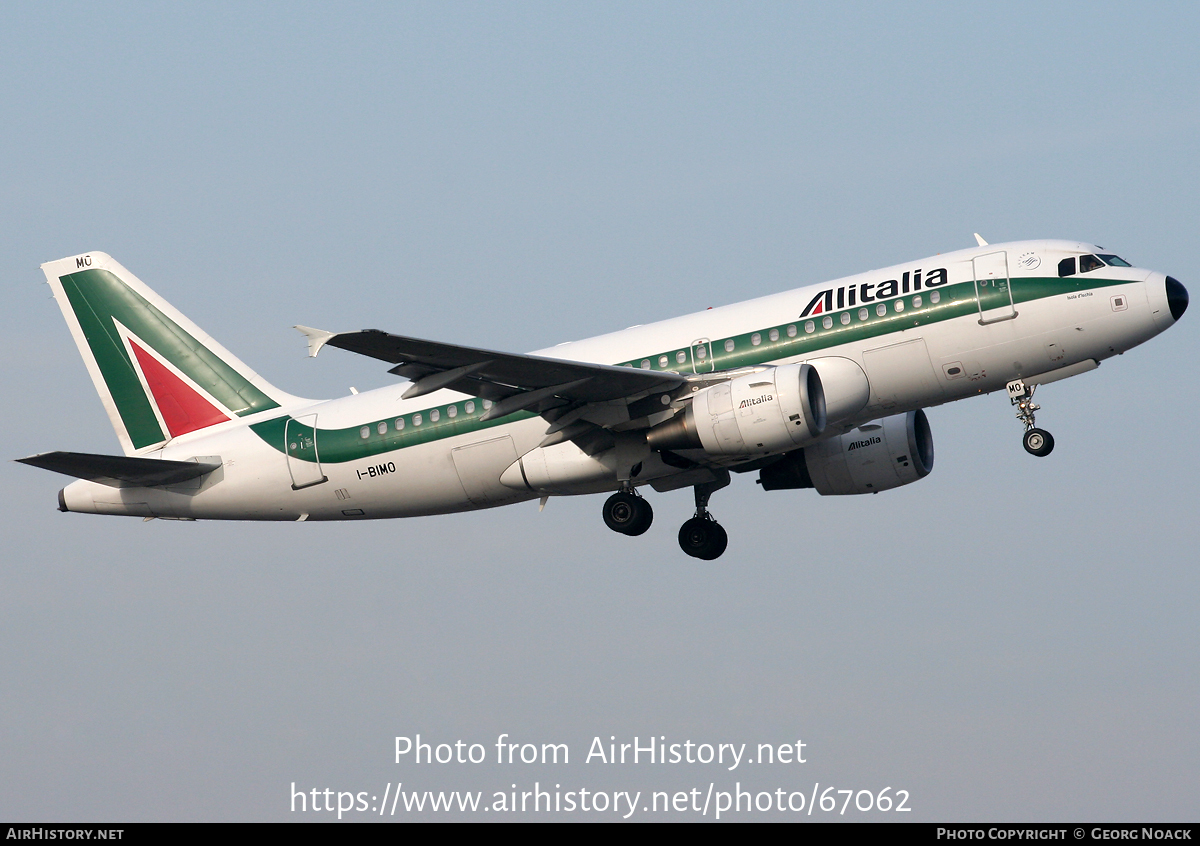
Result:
pixel 300 444
pixel 993 288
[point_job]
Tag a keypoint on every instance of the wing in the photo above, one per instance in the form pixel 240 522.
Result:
pixel 513 382
pixel 583 402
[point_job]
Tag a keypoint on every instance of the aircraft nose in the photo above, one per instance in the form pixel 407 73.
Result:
pixel 1177 298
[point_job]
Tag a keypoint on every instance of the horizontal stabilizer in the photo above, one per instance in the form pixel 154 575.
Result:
pixel 120 471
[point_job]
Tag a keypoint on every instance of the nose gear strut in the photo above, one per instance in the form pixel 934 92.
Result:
pixel 1036 441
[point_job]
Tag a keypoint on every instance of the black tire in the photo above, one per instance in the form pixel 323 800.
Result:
pixel 719 543
pixel 703 538
pixel 645 516
pixel 1038 442
pixel 628 514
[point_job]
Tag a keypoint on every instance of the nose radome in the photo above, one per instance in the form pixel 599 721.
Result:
pixel 1177 297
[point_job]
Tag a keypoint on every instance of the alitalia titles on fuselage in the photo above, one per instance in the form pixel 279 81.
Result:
pixel 848 296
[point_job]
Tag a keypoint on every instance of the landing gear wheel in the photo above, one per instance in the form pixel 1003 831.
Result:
pixel 627 513
pixel 703 538
pixel 1038 442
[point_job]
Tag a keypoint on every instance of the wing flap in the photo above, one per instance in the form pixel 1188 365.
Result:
pixel 120 471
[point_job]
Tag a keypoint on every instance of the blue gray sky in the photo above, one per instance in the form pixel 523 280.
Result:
pixel 1009 639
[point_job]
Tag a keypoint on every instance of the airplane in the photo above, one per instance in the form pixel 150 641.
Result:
pixel 820 387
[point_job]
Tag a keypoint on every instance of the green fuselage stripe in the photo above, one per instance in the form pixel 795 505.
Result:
pixel 953 301
pixel 335 446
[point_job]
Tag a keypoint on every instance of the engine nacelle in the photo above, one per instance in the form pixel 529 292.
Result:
pixel 875 457
pixel 846 388
pixel 772 411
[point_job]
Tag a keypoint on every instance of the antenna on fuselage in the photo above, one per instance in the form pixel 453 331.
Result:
pixel 979 238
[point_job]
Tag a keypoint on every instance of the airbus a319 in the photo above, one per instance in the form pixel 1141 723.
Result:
pixel 820 387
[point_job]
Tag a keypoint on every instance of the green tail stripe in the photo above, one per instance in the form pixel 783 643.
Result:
pixel 98 297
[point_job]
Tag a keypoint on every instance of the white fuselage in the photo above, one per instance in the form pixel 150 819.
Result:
pixel 923 355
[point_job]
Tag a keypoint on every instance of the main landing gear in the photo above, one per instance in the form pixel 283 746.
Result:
pixel 626 512
pixel 1036 441
pixel 700 537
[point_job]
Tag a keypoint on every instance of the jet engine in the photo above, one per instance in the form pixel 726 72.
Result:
pixel 875 457
pixel 771 411
pixel 846 388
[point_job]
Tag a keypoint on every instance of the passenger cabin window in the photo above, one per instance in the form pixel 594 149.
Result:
pixel 1115 261
pixel 1066 267
pixel 755 339
pixel 773 334
pixel 663 361
pixel 729 345
pixel 791 330
pixel 470 406
pixel 1089 263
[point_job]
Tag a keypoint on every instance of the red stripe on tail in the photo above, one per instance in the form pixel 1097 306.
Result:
pixel 182 409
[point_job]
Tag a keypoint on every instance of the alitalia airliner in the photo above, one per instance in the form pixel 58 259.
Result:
pixel 820 387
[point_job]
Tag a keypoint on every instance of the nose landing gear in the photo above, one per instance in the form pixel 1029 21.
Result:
pixel 1036 441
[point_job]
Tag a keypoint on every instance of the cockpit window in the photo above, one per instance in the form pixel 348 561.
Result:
pixel 1066 267
pixel 1089 263
pixel 1115 261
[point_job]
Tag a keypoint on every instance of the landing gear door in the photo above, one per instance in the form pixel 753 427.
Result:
pixel 702 358
pixel 993 288
pixel 300 444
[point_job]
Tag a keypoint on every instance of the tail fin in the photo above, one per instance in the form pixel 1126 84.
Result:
pixel 158 374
